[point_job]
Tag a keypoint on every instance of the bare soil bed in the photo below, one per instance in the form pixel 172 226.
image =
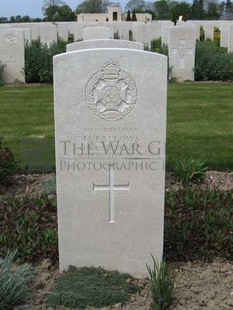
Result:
pixel 207 286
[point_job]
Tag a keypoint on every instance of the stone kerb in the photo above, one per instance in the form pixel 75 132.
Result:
pixel 110 128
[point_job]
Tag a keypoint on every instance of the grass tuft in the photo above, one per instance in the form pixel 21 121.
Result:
pixel 161 285
pixel 15 282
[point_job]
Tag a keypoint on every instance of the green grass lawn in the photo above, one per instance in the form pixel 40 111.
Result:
pixel 200 124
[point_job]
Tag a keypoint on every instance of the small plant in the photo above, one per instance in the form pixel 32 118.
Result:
pixel 130 35
pixel 8 164
pixel 189 170
pixel 198 224
pixel 49 186
pixel 89 286
pixel 1 72
pixel 30 226
pixel 161 285
pixel 15 282
pixel 158 47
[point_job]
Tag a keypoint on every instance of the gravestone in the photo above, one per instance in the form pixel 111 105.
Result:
pixel 107 43
pixel 48 33
pixel 63 31
pixel 224 28
pixel 230 39
pixel 92 33
pixel 145 33
pixel 182 53
pixel 110 112
pixel 12 55
pixel 209 30
pixel 165 35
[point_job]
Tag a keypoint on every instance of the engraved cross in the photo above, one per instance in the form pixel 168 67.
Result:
pixel 111 187
pixel 182 50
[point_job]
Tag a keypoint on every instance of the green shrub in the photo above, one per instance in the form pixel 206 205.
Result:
pixel 89 286
pixel 158 47
pixel 15 282
pixel 1 72
pixel 30 226
pixel 189 170
pixel 39 61
pixel 8 164
pixel 162 282
pixel 198 224
pixel 212 62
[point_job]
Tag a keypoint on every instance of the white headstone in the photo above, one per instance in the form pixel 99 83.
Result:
pixel 145 33
pixel 92 33
pixel 12 55
pixel 110 112
pixel 209 30
pixel 165 35
pixel 224 28
pixel 48 33
pixel 230 39
pixel 108 43
pixel 63 31
pixel 182 53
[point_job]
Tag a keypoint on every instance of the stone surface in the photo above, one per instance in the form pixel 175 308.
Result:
pixel 92 33
pixel 12 55
pixel 224 28
pixel 145 33
pixel 110 112
pixel 182 52
pixel 48 33
pixel 230 39
pixel 108 43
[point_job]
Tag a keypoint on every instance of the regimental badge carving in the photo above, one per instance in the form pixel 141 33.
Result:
pixel 10 39
pixel 111 93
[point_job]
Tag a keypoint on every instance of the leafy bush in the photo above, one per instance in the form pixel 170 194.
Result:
pixel 1 72
pixel 89 286
pixel 161 285
pixel 8 164
pixel 30 226
pixel 198 224
pixel 15 282
pixel 39 61
pixel 189 170
pixel 158 47
pixel 212 62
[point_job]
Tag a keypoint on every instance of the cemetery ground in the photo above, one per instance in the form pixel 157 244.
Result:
pixel 199 218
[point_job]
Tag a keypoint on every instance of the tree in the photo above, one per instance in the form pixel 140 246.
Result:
pixel 134 17
pixel 161 9
pixel 197 10
pixel 128 17
pixel 92 6
pixel 180 9
pixel 228 7
pixel 50 9
pixel 212 11
pixel 136 4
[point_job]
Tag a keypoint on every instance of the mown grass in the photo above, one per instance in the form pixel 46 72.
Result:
pixel 27 124
pixel 200 118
